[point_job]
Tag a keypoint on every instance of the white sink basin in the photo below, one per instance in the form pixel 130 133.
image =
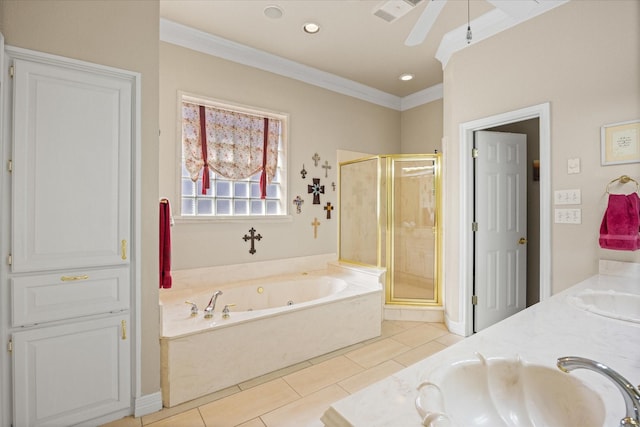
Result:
pixel 506 392
pixel 617 305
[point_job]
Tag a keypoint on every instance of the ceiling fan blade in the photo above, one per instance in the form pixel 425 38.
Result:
pixel 425 22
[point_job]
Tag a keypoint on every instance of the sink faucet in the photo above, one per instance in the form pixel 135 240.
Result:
pixel 630 394
pixel 208 312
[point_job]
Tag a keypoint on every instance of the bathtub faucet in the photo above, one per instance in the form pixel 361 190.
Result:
pixel 208 312
pixel 630 394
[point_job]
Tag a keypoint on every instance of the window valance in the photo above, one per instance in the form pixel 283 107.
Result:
pixel 233 144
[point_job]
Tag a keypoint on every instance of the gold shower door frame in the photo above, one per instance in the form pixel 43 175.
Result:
pixel 372 233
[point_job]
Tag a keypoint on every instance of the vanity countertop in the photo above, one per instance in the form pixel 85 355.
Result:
pixel 540 335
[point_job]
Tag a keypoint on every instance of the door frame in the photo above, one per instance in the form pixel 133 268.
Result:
pixel 543 113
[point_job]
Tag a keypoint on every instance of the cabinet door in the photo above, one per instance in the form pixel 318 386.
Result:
pixel 71 167
pixel 68 374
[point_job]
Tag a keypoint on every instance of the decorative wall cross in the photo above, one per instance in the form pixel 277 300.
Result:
pixel 253 237
pixel 316 159
pixel 328 208
pixel 316 189
pixel 326 168
pixel 298 202
pixel 303 172
pixel 315 225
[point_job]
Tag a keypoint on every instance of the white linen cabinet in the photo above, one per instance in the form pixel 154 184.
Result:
pixel 71 274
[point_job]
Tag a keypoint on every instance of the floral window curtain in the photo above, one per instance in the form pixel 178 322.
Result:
pixel 235 143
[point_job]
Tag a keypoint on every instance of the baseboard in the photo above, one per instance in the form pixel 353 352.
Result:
pixel 148 404
pixel 457 328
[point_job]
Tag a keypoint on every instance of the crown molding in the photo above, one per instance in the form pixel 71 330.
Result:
pixel 422 97
pixel 505 16
pixel 181 35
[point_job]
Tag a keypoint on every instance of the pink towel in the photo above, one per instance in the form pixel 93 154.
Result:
pixel 620 228
pixel 165 244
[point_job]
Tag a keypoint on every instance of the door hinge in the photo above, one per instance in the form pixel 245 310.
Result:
pixel 10 166
pixel 474 153
pixel 474 226
pixel 474 300
pixel 10 346
pixel 12 70
pixel 9 259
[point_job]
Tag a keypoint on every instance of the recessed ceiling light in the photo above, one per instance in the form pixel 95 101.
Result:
pixel 311 28
pixel 273 12
pixel 406 77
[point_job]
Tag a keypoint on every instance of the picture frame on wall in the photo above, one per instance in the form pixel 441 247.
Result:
pixel 620 143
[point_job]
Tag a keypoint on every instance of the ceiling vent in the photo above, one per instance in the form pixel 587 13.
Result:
pixel 394 9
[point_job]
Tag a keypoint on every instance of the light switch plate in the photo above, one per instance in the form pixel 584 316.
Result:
pixel 573 166
pixel 568 216
pixel 567 197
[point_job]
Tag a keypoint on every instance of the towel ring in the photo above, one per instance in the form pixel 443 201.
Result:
pixel 624 179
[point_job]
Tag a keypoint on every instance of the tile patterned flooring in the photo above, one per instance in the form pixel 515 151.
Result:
pixel 297 396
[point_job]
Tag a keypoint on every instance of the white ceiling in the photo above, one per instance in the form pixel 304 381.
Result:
pixel 353 43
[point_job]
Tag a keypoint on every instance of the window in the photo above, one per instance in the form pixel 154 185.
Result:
pixel 246 170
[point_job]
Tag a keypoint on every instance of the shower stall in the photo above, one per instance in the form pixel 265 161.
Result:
pixel 389 217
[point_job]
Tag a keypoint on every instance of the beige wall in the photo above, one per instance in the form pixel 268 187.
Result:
pixel 583 58
pixel 320 121
pixel 422 129
pixel 123 35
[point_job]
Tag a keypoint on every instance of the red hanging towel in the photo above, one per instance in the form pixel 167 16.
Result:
pixel 620 228
pixel 165 244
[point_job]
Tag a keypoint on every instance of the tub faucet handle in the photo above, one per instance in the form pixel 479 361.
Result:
pixel 226 311
pixel 194 308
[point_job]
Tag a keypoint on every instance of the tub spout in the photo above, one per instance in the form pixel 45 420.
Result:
pixel 208 311
pixel 630 394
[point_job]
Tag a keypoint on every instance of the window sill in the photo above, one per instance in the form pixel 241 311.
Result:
pixel 232 219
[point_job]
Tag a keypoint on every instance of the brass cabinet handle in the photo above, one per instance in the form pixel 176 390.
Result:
pixel 124 249
pixel 522 241
pixel 72 278
pixel 123 327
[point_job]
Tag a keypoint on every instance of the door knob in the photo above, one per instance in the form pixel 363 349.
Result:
pixel 522 241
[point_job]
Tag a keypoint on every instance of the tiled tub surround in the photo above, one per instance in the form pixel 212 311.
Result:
pixel 332 308
pixel 540 335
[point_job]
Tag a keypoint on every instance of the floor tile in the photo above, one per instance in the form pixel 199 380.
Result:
pixel 370 376
pixel 449 339
pixel 169 412
pixel 124 422
pixel 306 410
pixel 377 352
pixel 392 327
pixel 256 422
pixel 321 375
pixel 417 354
pixel 248 404
pixel 274 375
pixel 190 418
pixel 419 335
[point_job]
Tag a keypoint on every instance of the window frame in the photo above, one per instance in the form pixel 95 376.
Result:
pixel 283 154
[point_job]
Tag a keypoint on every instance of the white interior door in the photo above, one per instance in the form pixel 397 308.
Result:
pixel 501 218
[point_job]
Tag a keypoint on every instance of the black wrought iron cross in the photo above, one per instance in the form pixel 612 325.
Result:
pixel 253 237
pixel 316 189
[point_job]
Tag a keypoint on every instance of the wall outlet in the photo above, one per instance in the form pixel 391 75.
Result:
pixel 567 197
pixel 568 216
